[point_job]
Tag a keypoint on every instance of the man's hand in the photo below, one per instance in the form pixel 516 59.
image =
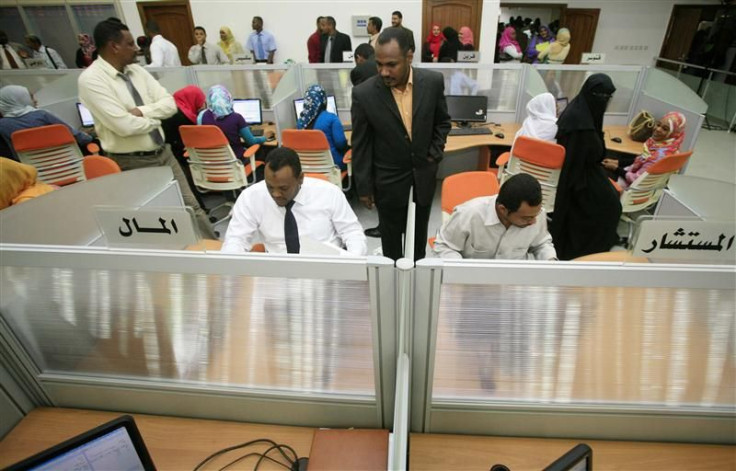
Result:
pixel 270 134
pixel 610 164
pixel 367 201
pixel 136 112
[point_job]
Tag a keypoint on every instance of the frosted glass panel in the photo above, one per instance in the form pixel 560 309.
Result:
pixel 667 88
pixel 335 82
pixel 243 83
pixel 52 25
pixel 171 78
pixel 88 16
pixel 570 345
pixel 567 83
pixel 12 24
pixel 246 332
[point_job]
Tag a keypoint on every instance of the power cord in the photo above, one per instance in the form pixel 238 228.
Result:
pixel 295 463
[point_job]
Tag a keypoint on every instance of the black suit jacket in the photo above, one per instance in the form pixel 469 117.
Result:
pixel 339 44
pixel 363 72
pixel 386 163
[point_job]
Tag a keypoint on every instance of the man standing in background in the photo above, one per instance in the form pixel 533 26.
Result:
pixel 261 43
pixel 11 54
pixel 52 58
pixel 374 29
pixel 334 43
pixel 163 52
pixel 397 21
pixel 314 42
pixel 205 53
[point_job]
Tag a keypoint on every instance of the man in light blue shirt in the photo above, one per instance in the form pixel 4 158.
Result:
pixel 261 43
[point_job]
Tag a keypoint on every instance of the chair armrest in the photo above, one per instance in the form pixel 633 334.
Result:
pixel 503 159
pixel 251 151
pixel 348 157
pixel 93 148
pixel 186 154
pixel 616 186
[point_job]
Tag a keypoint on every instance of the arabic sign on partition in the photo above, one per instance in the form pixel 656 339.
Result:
pixel 468 56
pixel 150 227
pixel 592 58
pixel 687 240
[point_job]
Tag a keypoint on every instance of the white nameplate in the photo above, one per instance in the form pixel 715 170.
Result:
pixel 593 58
pixel 242 59
pixel 162 227
pixel 687 240
pixel 347 56
pixel 468 56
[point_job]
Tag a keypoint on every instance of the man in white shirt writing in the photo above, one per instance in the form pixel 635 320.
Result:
pixel 163 52
pixel 287 210
pixel 511 225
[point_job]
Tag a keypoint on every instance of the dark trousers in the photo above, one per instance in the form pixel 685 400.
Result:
pixel 392 223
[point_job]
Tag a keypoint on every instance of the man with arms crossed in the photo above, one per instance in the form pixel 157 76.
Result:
pixel 128 105
pixel 400 124
pixel 511 225
pixel 286 210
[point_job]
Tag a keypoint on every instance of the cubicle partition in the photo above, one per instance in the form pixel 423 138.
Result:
pixel 270 339
pixel 600 351
pixel 284 95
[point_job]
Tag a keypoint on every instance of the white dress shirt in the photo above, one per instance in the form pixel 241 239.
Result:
pixel 212 52
pixel 321 211
pixel 474 231
pixel 47 54
pixel 107 97
pixel 163 53
pixel 4 59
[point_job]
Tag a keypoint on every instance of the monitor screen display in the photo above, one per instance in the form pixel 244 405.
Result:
pixel 84 115
pixel 331 105
pixel 464 108
pixel 250 109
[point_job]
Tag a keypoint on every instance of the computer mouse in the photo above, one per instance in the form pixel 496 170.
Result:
pixel 500 135
pixel 616 139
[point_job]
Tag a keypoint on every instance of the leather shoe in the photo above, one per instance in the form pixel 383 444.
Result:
pixel 373 232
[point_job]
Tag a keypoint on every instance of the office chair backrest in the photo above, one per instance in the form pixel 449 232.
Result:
pixel 53 151
pixel 541 159
pixel 211 159
pixel 314 152
pixel 646 190
pixel 99 166
pixel 462 187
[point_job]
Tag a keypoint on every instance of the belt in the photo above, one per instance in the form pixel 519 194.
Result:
pixel 143 153
pixel 260 61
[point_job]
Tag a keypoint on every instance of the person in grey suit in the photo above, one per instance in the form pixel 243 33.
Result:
pixel 400 125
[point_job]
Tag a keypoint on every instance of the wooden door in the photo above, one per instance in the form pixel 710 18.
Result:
pixel 680 32
pixel 582 23
pixel 453 13
pixel 176 23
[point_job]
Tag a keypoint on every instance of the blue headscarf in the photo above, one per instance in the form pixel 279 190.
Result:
pixel 314 103
pixel 219 101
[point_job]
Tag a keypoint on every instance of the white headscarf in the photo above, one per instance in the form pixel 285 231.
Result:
pixel 541 118
pixel 15 101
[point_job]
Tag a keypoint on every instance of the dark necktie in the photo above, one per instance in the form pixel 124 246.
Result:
pixel 9 56
pixel 155 135
pixel 291 232
pixel 204 56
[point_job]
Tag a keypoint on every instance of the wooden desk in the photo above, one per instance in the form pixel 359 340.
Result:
pixel 268 127
pixel 459 452
pixel 627 145
pixel 173 443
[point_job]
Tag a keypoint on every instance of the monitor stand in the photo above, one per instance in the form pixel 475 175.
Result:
pixel 463 124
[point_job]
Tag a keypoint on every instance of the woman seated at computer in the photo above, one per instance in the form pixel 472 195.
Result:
pixel 541 118
pixel 665 141
pixel 220 113
pixel 18 109
pixel 315 116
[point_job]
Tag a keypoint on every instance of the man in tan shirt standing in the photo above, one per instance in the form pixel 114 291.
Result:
pixel 128 105
pixel 400 124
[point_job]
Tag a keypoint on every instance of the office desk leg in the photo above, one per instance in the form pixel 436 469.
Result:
pixel 484 158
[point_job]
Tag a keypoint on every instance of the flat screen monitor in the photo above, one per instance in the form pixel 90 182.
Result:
pixel 250 109
pixel 84 115
pixel 467 109
pixel 331 105
pixel 579 458
pixel 115 445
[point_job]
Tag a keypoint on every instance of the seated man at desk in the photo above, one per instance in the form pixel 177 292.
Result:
pixel 288 211
pixel 503 226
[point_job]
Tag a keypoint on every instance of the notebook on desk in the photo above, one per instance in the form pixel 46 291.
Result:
pixel 114 445
pixel 348 450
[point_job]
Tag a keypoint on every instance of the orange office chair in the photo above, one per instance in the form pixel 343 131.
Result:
pixel 53 151
pixel 98 166
pixel 315 156
pixel 541 159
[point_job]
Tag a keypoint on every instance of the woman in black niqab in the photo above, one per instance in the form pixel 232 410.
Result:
pixel 587 207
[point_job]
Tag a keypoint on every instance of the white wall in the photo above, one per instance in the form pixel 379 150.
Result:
pixel 629 31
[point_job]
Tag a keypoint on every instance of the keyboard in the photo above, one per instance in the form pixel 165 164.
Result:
pixel 257 132
pixel 469 131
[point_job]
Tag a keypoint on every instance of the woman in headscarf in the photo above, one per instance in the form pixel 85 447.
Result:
pixel 220 113
pixel 539 43
pixel 315 116
pixel 18 109
pixel 228 44
pixel 509 46
pixel 87 52
pixel 466 39
pixel 587 207
pixel 433 43
pixel 665 141
pixel 557 51
pixel 541 118
pixel 451 45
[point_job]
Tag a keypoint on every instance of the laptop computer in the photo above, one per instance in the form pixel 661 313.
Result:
pixel 114 445
pixel 84 115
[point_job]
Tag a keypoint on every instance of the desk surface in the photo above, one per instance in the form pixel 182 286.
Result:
pixel 460 452
pixel 627 145
pixel 174 443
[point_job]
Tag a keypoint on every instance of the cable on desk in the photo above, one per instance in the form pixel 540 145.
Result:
pixel 261 455
pixel 246 444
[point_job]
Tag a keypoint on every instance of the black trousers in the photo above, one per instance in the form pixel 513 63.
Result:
pixel 392 223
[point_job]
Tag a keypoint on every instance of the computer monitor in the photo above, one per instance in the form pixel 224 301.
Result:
pixel 84 115
pixel 579 458
pixel 466 109
pixel 331 105
pixel 250 109
pixel 115 445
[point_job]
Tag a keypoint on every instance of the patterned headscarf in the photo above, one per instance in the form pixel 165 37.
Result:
pixel 507 41
pixel 86 44
pixel 219 101
pixel 315 102
pixel 466 36
pixel 671 142
pixel 190 100
pixel 15 101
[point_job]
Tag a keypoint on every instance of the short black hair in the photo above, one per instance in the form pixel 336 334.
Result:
pixel 33 38
pixel 377 22
pixel 398 13
pixel 396 34
pixel 284 157
pixel 365 51
pixel 152 26
pixel 109 30
pixel 201 29
pixel 331 20
pixel 319 18
pixel 258 18
pixel 522 187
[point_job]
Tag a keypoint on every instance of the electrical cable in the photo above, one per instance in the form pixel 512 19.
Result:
pixel 253 454
pixel 265 453
pixel 243 445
